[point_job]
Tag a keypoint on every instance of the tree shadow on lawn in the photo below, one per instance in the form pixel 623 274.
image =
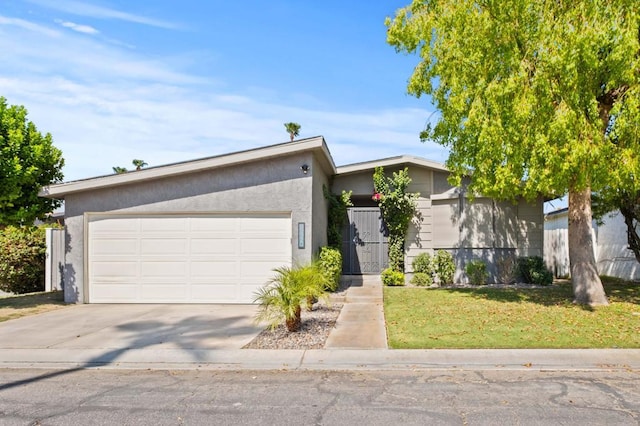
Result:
pixel 557 294
pixel 24 301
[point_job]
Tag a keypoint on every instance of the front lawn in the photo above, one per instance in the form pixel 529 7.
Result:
pixel 29 304
pixel 486 317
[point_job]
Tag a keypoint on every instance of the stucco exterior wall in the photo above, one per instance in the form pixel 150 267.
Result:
pixel 320 209
pixel 487 230
pixel 275 185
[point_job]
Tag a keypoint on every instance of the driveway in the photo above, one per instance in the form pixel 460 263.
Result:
pixel 114 328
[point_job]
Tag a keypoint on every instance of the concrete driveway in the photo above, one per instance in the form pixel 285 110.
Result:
pixel 117 328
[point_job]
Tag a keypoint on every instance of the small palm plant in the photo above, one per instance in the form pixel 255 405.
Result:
pixel 293 129
pixel 119 170
pixel 139 164
pixel 287 293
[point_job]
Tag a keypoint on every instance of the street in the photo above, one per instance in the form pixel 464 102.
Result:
pixel 198 397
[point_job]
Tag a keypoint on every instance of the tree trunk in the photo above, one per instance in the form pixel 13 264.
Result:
pixel 294 323
pixel 587 287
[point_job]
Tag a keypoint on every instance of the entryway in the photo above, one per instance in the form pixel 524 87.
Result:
pixel 364 244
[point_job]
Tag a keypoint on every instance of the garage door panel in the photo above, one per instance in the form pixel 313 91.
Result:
pixel 109 246
pixel 197 259
pixel 221 224
pixel 111 225
pixel 115 293
pixel 164 224
pixel 251 246
pixel 215 246
pixel 164 293
pixel 163 269
pixel 166 246
pixel 116 269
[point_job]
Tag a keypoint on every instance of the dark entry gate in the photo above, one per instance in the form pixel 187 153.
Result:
pixel 364 244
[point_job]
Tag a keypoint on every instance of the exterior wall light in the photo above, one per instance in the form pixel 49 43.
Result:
pixel 304 168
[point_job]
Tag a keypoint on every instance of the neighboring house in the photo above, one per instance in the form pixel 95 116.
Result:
pixel 212 230
pixel 610 248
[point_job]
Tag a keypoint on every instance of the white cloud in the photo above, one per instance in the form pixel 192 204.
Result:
pixel 85 29
pixel 105 105
pixel 83 9
pixel 29 26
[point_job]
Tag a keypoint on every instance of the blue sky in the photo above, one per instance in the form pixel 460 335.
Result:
pixel 168 81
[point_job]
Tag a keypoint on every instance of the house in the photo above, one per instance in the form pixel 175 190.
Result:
pixel 211 230
pixel 610 247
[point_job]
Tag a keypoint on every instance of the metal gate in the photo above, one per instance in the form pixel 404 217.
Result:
pixel 364 243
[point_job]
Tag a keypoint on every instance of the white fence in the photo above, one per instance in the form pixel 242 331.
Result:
pixel 54 261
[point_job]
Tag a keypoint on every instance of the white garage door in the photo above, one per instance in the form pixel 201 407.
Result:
pixel 184 259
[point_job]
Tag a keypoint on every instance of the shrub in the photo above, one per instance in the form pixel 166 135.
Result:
pixel 287 292
pixel 533 271
pixel 506 269
pixel 22 255
pixel 330 262
pixel 422 264
pixel 421 279
pixel 391 277
pixel 444 267
pixel 477 272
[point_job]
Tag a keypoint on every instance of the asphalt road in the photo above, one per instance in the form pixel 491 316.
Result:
pixel 191 397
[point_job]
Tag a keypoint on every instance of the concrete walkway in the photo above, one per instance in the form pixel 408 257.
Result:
pixel 360 324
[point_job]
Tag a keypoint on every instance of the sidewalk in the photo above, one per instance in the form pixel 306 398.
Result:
pixel 358 342
pixel 360 324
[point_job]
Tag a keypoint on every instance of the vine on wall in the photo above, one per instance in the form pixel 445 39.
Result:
pixel 397 207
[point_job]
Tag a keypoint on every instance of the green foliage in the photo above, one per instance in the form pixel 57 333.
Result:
pixel 444 267
pixel 535 97
pixel 28 162
pixel 532 270
pixel 391 277
pixel 283 298
pixel 421 279
pixel 22 258
pixel 423 263
pixel 139 164
pixel 337 215
pixel 119 170
pixel 397 207
pixel 330 262
pixel 293 129
pixel 477 272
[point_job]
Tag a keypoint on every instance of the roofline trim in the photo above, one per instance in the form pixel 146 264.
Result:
pixel 316 143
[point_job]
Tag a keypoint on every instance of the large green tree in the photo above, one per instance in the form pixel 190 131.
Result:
pixel 536 97
pixel 28 162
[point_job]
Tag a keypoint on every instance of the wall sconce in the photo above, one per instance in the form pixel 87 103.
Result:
pixel 304 168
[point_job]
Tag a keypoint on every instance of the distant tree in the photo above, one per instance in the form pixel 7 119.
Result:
pixel 536 97
pixel 293 129
pixel 119 170
pixel 28 162
pixel 139 164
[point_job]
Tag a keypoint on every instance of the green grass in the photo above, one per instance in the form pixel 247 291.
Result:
pixel 511 318
pixel 30 304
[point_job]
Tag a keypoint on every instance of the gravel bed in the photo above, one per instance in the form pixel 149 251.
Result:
pixel 316 326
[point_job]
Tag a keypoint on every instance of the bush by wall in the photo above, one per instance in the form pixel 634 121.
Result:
pixel 391 277
pixel 532 270
pixel 22 255
pixel 330 260
pixel 444 267
pixel 477 272
pixel 421 279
